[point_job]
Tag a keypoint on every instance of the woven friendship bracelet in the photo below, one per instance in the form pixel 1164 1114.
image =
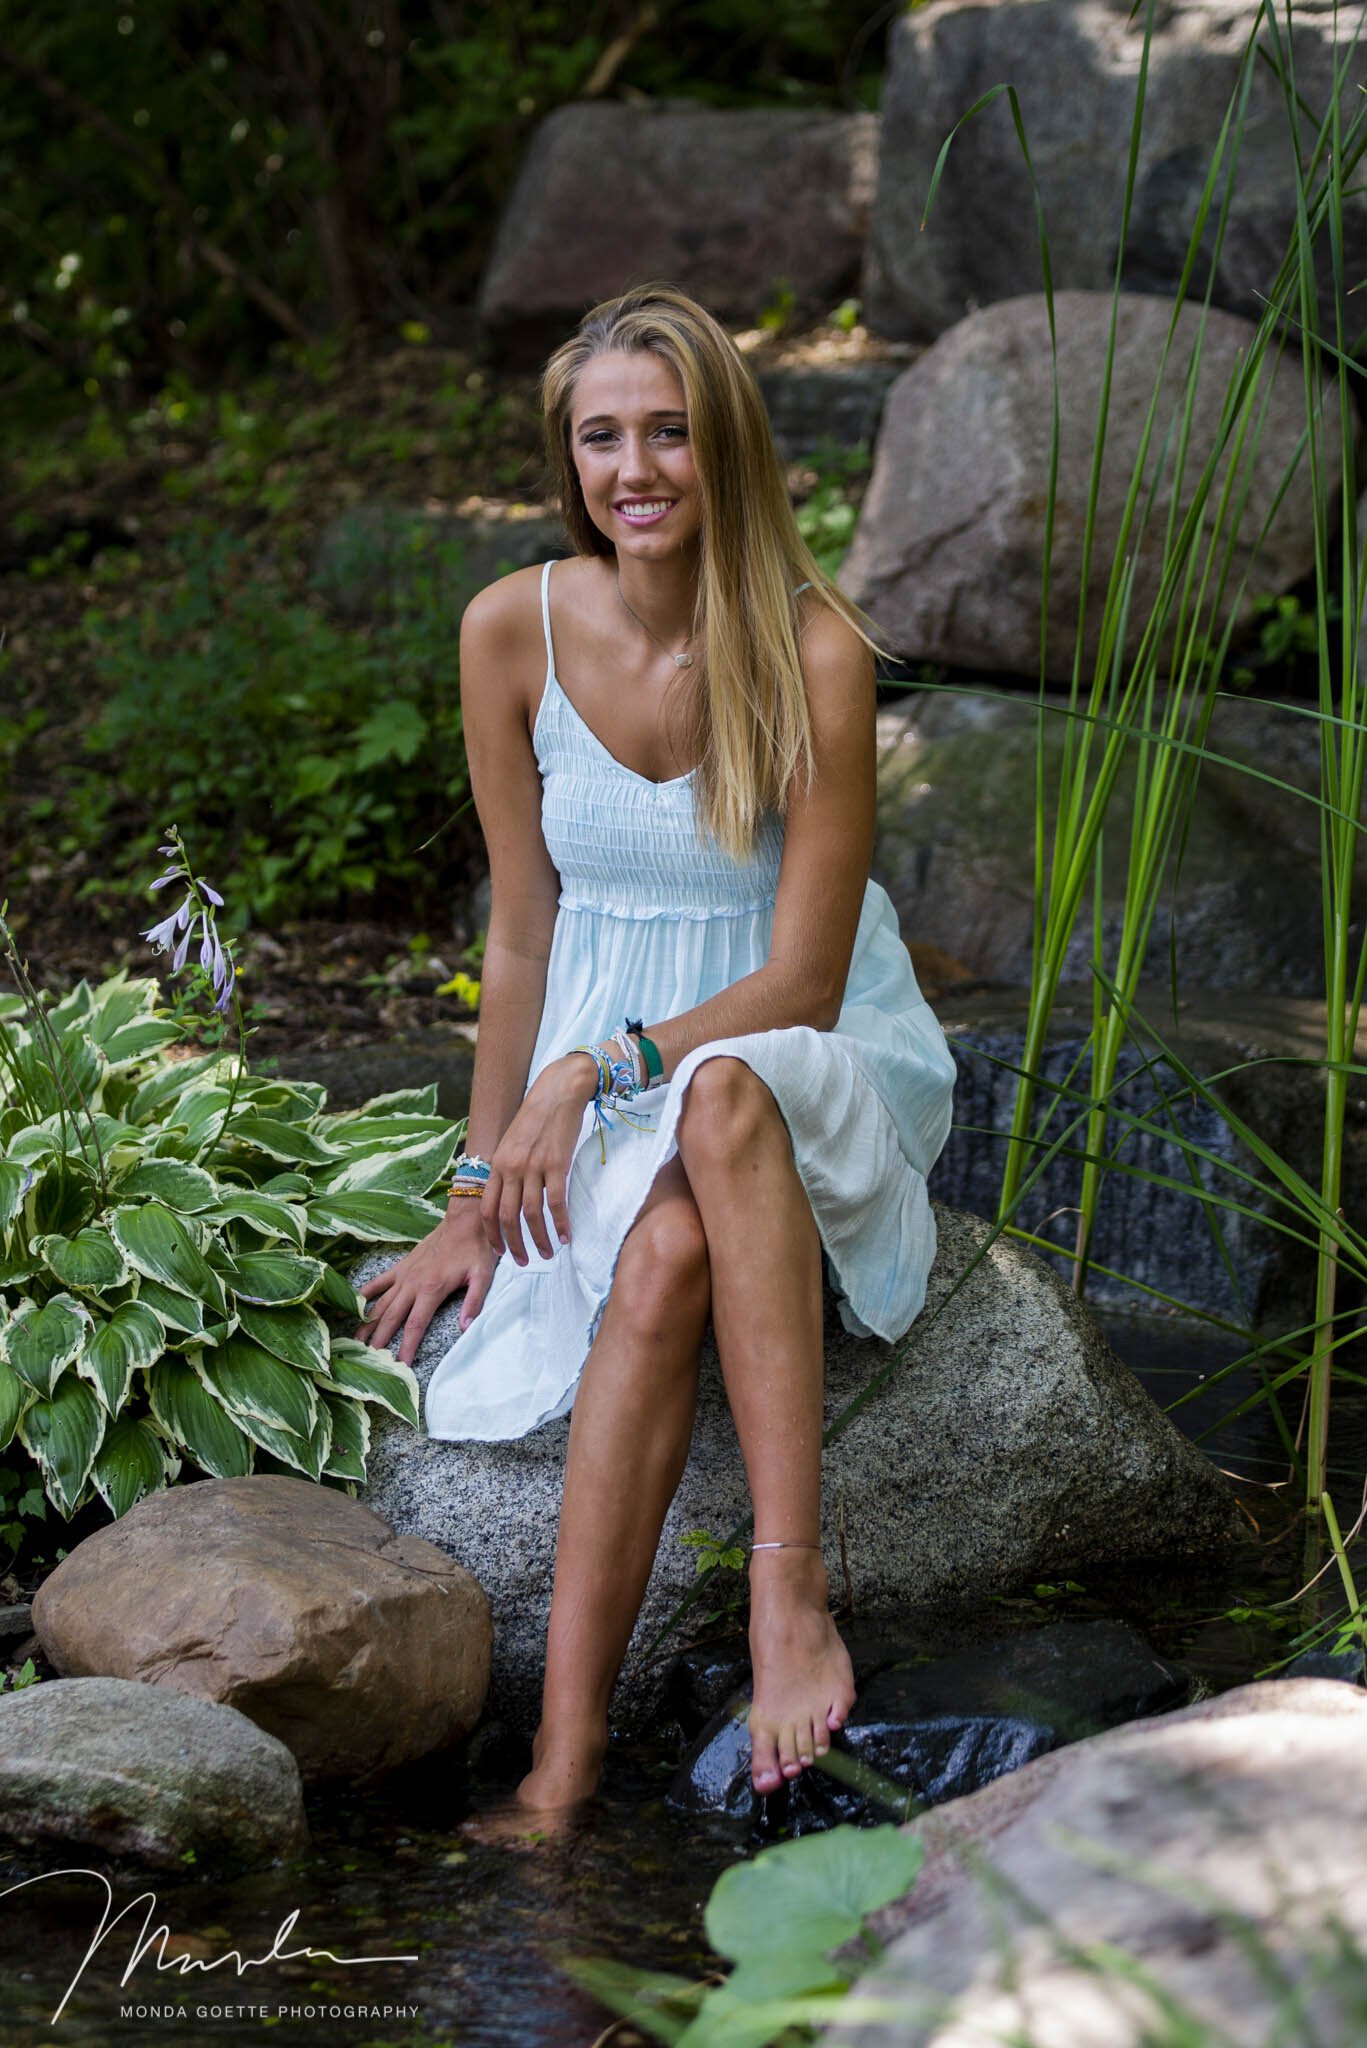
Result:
pixel 650 1052
pixel 617 1084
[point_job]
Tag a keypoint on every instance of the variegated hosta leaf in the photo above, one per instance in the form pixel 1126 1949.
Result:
pixel 266 1213
pixel 117 1001
pixel 82 1067
pixel 289 1186
pixel 298 1335
pixel 178 1311
pixel 275 1278
pixel 15 1183
pixel 279 1140
pixel 133 1460
pixel 372 1375
pixel 41 1343
pixel 257 1387
pixel 14 1398
pixel 132 1339
pixel 410 1170
pixel 398 1102
pixel 34 1145
pixel 350 1437
pixel 17 1268
pixel 179 1185
pixel 90 1259
pixel 186 1412
pixel 138 1041
pixel 338 1292
pixel 292 1101
pixel 160 1246
pixel 364 1134
pixel 374 1218
pixel 165 1084
pixel 202 1111
pixel 308 1455
pixel 63 1432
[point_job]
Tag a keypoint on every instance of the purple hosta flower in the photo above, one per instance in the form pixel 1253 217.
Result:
pixel 162 935
pixel 216 962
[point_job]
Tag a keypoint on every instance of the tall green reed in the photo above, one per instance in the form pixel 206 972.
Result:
pixel 1144 684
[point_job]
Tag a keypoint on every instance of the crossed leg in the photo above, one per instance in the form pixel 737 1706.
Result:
pixel 728 1226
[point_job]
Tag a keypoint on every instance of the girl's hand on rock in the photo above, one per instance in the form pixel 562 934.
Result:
pixel 456 1254
pixel 531 1166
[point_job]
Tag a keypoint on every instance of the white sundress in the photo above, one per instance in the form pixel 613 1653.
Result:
pixel 652 921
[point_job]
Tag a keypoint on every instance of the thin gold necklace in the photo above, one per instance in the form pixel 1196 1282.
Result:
pixel 679 660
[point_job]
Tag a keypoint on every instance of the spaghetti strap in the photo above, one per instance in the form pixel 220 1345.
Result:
pixel 546 617
pixel 808 585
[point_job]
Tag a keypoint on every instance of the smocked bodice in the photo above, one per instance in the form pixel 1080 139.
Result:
pixel 628 847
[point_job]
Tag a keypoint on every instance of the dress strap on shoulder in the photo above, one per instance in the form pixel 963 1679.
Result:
pixel 546 616
pixel 808 585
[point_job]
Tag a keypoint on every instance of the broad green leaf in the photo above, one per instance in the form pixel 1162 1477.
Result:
pixel 138 1040
pixel 374 1218
pixel 287 1185
pixel 43 1342
pixel 167 1083
pixel 159 1245
pixel 788 1908
pixel 16 1268
pixel 297 1335
pixel 173 1181
pixel 266 1213
pixel 350 1437
pixel 80 1064
pixel 118 1001
pixel 292 1101
pixel 90 1259
pixel 133 1460
pixel 411 1170
pixel 275 1278
pixel 279 1140
pixel 338 1292
pixel 356 1368
pixel 189 1415
pixel 14 1396
pixel 35 1146
pixel 398 1102
pixel 15 1182
pixel 256 1386
pixel 178 1311
pixel 361 1134
pixel 63 1432
pixel 131 1340
pixel 308 1455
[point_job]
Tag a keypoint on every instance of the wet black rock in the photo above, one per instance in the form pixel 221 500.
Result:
pixel 937 1728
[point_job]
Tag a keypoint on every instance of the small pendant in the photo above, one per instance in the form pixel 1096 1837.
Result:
pixel 683 661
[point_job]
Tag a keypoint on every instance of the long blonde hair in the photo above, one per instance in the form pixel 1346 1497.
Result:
pixel 754 729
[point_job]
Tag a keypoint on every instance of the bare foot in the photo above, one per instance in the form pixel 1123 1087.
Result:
pixel 804 1683
pixel 552 1797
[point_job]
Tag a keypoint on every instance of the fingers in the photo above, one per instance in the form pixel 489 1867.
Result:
pixel 560 1209
pixel 488 1210
pixel 474 1299
pixel 534 1214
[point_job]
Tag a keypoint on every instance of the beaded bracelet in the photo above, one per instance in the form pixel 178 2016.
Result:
pixel 469 1175
pixel 617 1084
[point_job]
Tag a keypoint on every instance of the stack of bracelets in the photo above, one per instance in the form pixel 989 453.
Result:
pixel 624 1070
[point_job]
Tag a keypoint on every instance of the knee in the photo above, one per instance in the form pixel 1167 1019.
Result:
pixel 727 1107
pixel 663 1282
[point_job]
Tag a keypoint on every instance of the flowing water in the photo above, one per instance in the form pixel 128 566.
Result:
pixel 488 1928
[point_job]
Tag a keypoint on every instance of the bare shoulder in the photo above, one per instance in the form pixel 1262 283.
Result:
pixel 837 665
pixel 506 612
pixel 502 649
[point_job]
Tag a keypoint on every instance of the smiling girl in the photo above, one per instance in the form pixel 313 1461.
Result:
pixel 703 1059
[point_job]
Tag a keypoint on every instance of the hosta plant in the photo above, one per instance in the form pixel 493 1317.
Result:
pixel 174 1233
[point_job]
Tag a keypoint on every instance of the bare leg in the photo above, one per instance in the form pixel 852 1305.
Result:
pixel 765 1257
pixel 630 1429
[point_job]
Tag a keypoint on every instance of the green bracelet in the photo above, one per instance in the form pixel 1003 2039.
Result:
pixel 650 1052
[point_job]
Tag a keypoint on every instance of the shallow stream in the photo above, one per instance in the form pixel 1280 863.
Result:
pixel 486 1928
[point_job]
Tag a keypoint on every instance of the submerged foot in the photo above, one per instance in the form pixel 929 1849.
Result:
pixel 554 1795
pixel 804 1682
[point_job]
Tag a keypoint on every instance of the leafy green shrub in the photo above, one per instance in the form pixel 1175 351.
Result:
pixel 171 1234
pixel 311 761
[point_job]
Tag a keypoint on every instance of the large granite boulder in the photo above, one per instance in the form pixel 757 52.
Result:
pixel 1075 67
pixel 1005 1443
pixel 359 1648
pixel 105 1765
pixel 1214 1854
pixel 949 548
pixel 956 843
pixel 735 205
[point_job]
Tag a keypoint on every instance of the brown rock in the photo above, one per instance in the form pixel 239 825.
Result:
pixel 731 204
pixel 357 1648
pixel 949 548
